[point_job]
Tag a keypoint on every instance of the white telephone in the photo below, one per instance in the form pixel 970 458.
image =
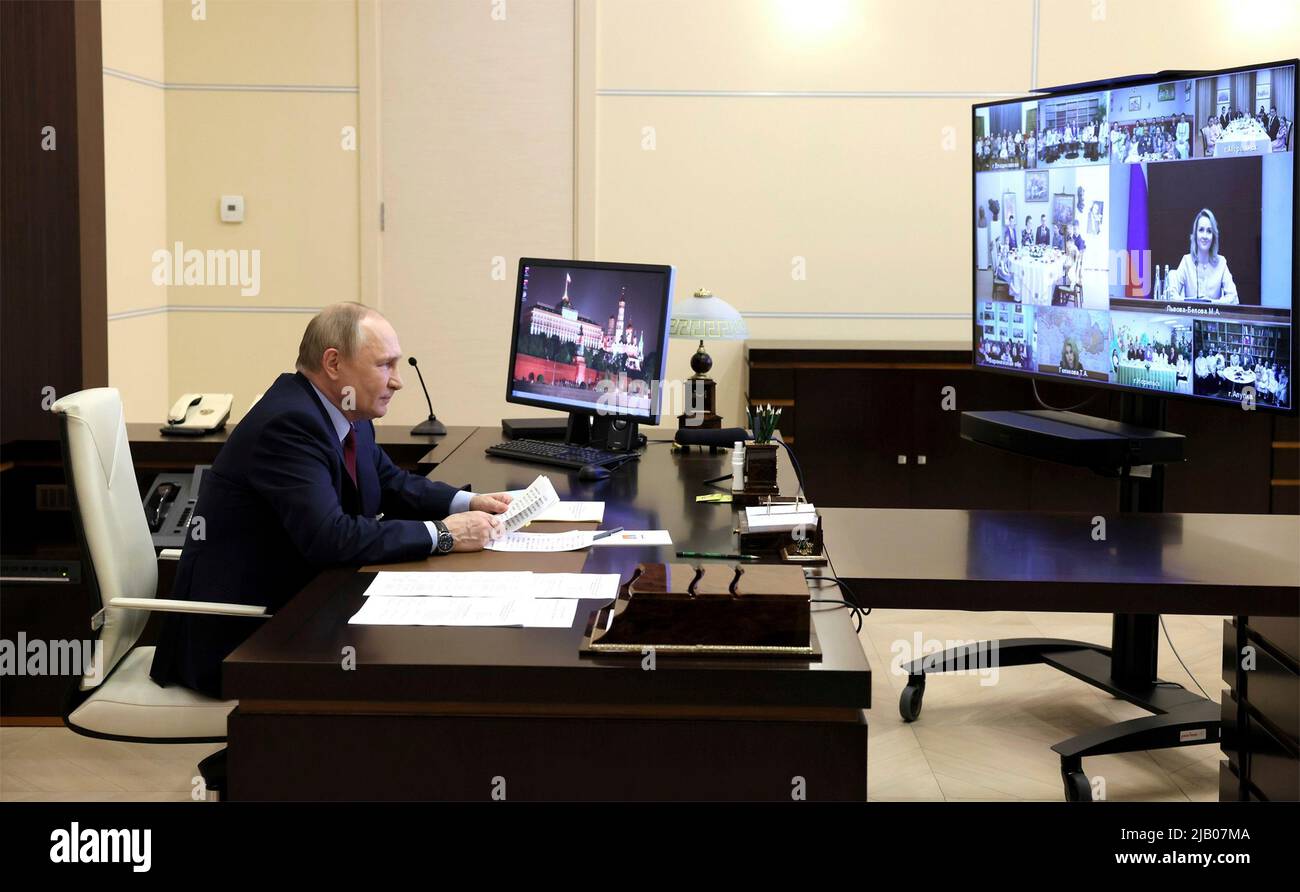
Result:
pixel 195 414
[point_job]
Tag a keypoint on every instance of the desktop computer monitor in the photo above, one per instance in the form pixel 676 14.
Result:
pixel 590 338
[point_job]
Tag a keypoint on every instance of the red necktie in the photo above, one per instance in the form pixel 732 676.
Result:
pixel 350 453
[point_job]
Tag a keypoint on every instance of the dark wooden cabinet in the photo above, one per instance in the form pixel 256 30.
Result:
pixel 855 435
pixel 1261 711
pixel 877 425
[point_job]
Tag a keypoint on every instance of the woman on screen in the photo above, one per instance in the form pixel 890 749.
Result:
pixel 1070 357
pixel 1184 133
pixel 1094 218
pixel 1203 273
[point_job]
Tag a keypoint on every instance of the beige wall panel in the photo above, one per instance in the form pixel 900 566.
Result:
pixel 282 152
pixel 239 353
pixel 477 164
pixel 135 204
pixel 137 366
pixel 133 36
pixel 135 192
pixel 1081 41
pixel 737 190
pixel 262 42
pixel 871 45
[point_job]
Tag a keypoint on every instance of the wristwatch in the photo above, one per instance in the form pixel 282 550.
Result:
pixel 446 541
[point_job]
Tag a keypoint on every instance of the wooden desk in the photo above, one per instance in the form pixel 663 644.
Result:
pixel 439 713
pixel 1018 560
pixel 1243 565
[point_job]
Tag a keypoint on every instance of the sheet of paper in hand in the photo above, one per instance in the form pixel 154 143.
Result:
pixel 539 496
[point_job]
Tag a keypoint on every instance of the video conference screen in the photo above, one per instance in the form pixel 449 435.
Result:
pixel 590 337
pixel 1142 236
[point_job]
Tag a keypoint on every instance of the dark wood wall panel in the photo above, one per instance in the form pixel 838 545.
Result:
pixel 52 316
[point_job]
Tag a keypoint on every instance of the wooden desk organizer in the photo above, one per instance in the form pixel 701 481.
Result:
pixel 714 609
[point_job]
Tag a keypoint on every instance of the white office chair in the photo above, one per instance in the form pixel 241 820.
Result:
pixel 115 698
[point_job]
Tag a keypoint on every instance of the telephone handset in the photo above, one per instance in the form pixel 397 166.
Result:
pixel 195 414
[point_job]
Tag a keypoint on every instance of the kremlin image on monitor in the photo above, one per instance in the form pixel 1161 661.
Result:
pixel 588 338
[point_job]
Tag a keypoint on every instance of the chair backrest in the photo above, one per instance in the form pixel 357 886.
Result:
pixel 116 544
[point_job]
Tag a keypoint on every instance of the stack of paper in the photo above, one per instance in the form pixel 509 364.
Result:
pixel 570 541
pixel 636 537
pixel 520 585
pixel 781 517
pixel 549 613
pixel 531 600
pixel 576 539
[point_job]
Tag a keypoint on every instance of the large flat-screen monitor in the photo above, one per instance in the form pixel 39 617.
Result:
pixel 1141 235
pixel 590 337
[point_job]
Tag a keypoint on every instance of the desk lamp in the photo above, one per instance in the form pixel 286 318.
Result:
pixel 707 318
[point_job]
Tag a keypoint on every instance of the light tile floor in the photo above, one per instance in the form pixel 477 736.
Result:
pixel 972 741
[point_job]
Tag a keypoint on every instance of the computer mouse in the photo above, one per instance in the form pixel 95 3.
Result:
pixel 592 473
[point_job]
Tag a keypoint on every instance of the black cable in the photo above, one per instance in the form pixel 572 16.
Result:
pixel 853 609
pixel 1180 660
pixel 1040 402
pixel 797 470
pixel 848 592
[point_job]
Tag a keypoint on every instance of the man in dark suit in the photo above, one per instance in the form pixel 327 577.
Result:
pixel 1044 234
pixel 1272 124
pixel 300 485
pixel 1010 235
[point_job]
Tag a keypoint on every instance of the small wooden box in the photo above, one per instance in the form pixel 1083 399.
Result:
pixel 760 610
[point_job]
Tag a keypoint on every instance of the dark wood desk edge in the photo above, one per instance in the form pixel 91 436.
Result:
pixel 685 711
pixel 439 452
pixel 1071 596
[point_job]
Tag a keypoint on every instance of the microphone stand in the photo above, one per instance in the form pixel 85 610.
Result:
pixel 431 426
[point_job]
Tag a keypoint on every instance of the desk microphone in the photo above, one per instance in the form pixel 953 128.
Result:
pixel 717 437
pixel 431 425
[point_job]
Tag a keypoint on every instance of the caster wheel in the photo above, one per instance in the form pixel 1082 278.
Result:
pixel 1077 786
pixel 909 702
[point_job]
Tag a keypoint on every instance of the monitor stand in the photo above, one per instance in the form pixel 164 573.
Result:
pixel 610 432
pixel 1126 669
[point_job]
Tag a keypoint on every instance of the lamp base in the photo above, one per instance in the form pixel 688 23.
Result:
pixel 701 404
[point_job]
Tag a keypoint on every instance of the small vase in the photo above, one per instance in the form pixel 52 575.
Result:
pixel 760 468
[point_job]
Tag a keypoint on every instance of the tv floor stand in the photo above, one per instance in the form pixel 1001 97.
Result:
pixel 1126 669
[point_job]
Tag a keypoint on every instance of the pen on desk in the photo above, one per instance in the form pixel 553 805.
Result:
pixel 606 533
pixel 717 554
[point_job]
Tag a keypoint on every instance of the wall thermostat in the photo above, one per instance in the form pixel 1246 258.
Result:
pixel 232 208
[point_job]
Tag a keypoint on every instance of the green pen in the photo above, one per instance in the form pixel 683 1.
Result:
pixel 717 554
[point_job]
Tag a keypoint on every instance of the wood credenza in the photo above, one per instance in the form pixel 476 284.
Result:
pixel 876 425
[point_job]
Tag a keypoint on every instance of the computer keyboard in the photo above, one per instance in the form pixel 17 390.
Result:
pixel 561 455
